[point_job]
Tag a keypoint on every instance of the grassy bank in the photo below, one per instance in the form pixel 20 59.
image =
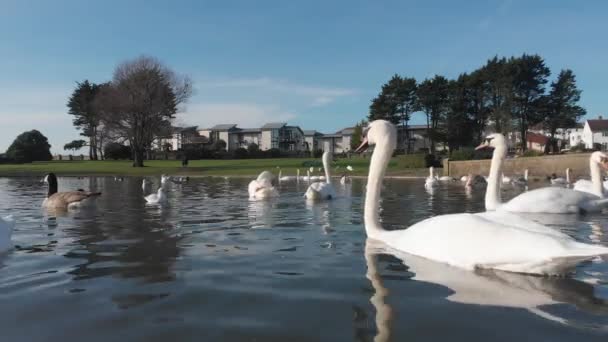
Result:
pixel 242 167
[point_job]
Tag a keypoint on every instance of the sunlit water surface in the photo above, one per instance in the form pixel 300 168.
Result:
pixel 212 265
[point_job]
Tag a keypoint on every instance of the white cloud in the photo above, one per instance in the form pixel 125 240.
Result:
pixel 243 114
pixel 315 95
pixel 321 101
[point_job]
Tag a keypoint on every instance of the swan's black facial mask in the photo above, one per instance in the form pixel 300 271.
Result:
pixel 487 143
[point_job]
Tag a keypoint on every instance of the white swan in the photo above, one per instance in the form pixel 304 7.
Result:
pixel 157 198
pixel 551 200
pixel 164 179
pixel 447 179
pixel 322 190
pixel 345 179
pixel 468 241
pixel 145 184
pixel 431 181
pixel 289 178
pixel 7 224
pixel 586 185
pixel 263 186
pixel 560 180
pixel 506 179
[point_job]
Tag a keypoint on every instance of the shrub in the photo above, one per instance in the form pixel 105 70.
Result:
pixel 469 153
pixel 28 147
pixel 253 149
pixel 273 153
pixel 116 151
pixel 532 153
pixel 240 153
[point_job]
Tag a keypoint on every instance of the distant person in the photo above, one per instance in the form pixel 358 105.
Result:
pixel 184 161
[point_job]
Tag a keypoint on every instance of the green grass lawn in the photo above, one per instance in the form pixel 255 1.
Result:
pixel 211 167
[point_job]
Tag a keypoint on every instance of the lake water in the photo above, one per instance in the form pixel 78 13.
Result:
pixel 213 266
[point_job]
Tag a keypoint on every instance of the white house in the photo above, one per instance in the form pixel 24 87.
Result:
pixel 272 135
pixel 575 136
pixel 311 139
pixel 595 133
pixel 338 142
pixel 179 137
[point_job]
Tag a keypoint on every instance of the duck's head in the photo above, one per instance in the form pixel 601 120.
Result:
pixel 378 132
pixel 495 140
pixel 51 180
pixel 600 158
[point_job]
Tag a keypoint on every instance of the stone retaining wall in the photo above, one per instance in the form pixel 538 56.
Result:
pixel 537 166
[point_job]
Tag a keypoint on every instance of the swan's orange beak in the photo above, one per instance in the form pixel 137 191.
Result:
pixel 364 145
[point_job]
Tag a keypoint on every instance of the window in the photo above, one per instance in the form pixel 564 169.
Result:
pixel 605 133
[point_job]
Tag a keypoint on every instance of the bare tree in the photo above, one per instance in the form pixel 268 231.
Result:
pixel 139 103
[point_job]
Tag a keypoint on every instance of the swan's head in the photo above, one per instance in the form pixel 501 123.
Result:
pixel 494 140
pixel 600 158
pixel 379 132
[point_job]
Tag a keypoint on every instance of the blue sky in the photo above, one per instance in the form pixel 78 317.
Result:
pixel 312 63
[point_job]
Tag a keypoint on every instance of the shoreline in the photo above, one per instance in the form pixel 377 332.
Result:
pixel 88 174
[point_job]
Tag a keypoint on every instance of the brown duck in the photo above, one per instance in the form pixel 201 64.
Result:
pixel 67 199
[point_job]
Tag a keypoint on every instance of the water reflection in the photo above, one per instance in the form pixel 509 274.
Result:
pixel 384 312
pixel 202 264
pixel 537 295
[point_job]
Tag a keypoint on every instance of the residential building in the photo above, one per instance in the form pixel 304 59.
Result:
pixel 575 136
pixel 179 137
pixel 283 137
pixel 277 135
pixel 595 133
pixel 311 140
pixel 536 141
pixel 338 142
pixel 417 137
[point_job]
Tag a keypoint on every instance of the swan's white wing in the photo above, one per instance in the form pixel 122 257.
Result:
pixel 320 191
pixel 152 198
pixel 471 241
pixel 549 200
pixel 515 220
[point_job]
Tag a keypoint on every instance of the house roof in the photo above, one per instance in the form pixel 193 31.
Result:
pixel 331 136
pixel 249 130
pixel 274 125
pixel 223 127
pixel 598 125
pixel 182 129
pixel 311 132
pixel 346 131
pixel 537 138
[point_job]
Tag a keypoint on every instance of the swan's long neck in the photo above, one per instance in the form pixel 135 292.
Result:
pixel 431 172
pixel 526 174
pixel 377 168
pixel 568 175
pixel 326 167
pixel 493 191
pixel 596 178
